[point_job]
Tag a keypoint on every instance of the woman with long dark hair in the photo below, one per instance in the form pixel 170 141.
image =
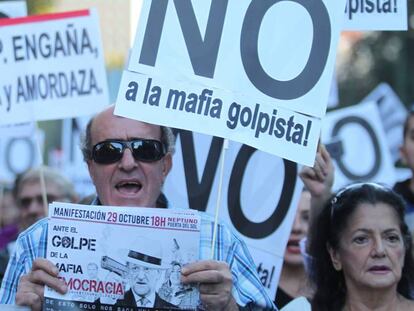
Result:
pixel 361 252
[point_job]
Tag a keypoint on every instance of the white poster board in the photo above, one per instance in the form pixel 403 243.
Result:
pixel 18 149
pixel 54 65
pixel 356 140
pixel 393 114
pixel 376 15
pixel 260 194
pixel 230 69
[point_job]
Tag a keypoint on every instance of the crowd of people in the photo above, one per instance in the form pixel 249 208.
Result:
pixel 349 250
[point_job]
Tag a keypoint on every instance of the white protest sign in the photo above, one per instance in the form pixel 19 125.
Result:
pixel 355 139
pixel 260 194
pixel 17 144
pixel 12 9
pixel 54 66
pixel 229 68
pixel 393 114
pixel 18 150
pixel 376 15
pixel 333 93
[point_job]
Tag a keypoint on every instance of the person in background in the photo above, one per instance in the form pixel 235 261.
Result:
pixel 28 197
pixel 293 281
pixel 128 161
pixel 361 252
pixel 9 215
pixel 318 182
pixel 406 188
pixel 9 229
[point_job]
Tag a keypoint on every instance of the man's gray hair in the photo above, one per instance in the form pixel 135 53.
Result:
pixel 167 139
pixel 51 176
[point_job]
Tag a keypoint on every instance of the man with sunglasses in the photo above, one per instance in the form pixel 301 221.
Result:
pixel 128 162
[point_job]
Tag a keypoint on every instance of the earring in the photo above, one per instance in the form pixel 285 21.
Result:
pixel 337 266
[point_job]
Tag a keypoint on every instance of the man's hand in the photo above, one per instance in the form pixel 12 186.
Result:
pixel 30 291
pixel 215 283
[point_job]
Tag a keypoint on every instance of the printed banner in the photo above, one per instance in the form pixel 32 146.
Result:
pixel 376 15
pixel 55 67
pixel 122 257
pixel 356 141
pixel 230 69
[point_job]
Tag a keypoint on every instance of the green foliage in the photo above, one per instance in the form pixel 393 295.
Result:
pixel 39 6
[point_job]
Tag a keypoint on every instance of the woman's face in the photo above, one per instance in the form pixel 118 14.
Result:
pixel 371 249
pixel 299 230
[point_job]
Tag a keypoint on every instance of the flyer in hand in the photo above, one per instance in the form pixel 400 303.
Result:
pixel 122 258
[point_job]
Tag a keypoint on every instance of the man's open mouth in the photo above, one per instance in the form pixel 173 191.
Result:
pixel 129 187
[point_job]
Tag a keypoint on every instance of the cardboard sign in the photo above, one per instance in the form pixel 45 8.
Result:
pixel 18 150
pixel 54 67
pixel 230 69
pixel 260 194
pixel 376 15
pixel 393 114
pixel 356 140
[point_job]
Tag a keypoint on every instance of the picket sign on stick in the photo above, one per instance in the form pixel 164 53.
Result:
pixel 218 202
pixel 60 74
pixel 31 111
pixel 228 68
pixel 55 67
pixel 41 173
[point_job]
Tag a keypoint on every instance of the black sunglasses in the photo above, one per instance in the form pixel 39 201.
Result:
pixel 111 151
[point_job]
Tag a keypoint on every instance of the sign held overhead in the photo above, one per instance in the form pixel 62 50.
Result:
pixel 229 68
